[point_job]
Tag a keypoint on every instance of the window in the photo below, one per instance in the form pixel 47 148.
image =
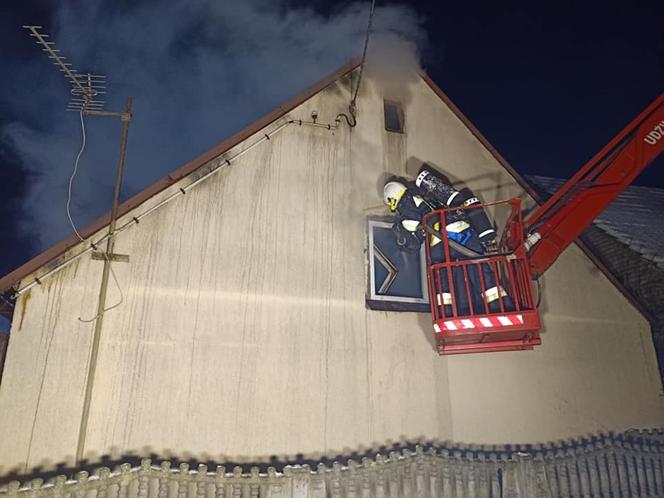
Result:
pixel 397 279
pixel 393 116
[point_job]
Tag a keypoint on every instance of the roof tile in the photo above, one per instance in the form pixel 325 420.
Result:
pixel 636 217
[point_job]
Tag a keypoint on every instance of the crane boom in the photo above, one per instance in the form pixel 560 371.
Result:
pixel 562 218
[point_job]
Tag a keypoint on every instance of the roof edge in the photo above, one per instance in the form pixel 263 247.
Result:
pixel 533 193
pixel 13 278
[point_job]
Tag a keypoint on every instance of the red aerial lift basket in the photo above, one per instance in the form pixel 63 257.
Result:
pixel 481 303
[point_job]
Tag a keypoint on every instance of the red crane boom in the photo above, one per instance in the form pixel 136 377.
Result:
pixel 562 218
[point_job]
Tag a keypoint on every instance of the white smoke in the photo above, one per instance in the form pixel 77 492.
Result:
pixel 198 71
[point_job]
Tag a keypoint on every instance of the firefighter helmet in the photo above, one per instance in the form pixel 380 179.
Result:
pixel 392 193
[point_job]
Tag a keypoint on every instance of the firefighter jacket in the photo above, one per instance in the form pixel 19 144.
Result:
pixel 408 229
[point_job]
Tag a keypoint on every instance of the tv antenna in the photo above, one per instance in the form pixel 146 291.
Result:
pixel 86 88
pixel 85 92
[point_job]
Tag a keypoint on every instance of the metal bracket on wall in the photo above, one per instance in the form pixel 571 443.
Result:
pixel 102 256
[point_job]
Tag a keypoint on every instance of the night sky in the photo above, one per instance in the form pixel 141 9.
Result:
pixel 547 85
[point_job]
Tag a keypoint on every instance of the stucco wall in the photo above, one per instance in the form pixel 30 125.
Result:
pixel 41 394
pixel 243 332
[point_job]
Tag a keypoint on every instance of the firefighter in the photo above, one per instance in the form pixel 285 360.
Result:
pixel 411 208
pixel 411 203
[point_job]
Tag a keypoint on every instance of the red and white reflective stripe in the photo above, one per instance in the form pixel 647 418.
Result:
pixel 484 322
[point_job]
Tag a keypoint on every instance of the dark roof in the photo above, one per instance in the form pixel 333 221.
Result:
pixel 636 218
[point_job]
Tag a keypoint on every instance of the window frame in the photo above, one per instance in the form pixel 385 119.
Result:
pixel 393 302
pixel 400 115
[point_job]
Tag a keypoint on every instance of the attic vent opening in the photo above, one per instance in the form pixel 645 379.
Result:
pixel 393 116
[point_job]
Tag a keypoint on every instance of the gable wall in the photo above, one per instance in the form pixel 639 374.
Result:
pixel 597 366
pixel 243 331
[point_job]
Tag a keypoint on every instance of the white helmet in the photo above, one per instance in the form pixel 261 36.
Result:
pixel 392 193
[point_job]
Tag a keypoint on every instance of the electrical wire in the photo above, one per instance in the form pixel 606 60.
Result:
pixel 352 106
pixel 73 174
pixel 117 284
pixel 351 123
pixel 73 225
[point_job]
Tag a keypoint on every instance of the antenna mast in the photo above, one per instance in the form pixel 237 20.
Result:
pixel 84 92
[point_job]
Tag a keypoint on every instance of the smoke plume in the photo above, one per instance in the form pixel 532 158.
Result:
pixel 198 71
